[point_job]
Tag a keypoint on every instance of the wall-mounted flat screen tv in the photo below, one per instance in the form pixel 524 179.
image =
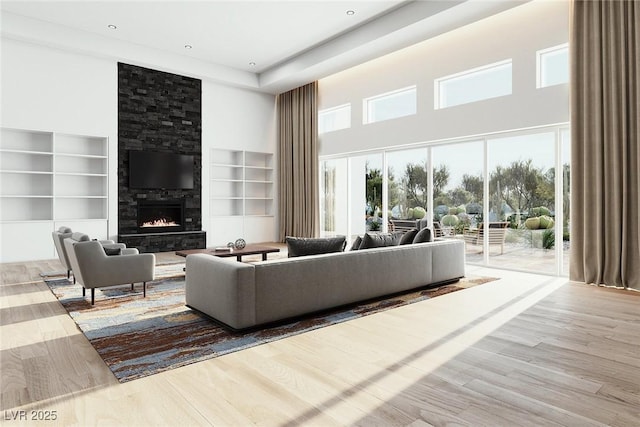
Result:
pixel 153 169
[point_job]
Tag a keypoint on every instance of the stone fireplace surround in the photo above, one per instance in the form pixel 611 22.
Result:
pixel 159 111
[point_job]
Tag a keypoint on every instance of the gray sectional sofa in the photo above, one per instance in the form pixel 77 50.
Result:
pixel 243 295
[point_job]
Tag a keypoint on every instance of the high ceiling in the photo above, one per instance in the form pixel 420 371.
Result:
pixel 264 45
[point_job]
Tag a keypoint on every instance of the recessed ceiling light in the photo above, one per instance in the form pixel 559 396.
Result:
pixel 111 26
pixel 188 46
pixel 252 64
pixel 351 12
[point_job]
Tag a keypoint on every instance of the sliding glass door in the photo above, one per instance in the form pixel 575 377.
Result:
pixel 458 193
pixel 407 186
pixel 506 195
pixel 522 207
pixel 334 201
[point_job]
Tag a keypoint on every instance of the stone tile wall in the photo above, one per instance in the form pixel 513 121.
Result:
pixel 159 111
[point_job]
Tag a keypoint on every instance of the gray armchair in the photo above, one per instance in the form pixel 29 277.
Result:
pixel 65 232
pixel 93 268
pixel 58 240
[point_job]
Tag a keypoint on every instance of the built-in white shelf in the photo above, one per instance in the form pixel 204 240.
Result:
pixel 50 179
pixel 241 196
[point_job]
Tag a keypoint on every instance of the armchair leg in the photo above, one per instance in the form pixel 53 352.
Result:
pixel 144 289
pixel 132 286
pixel 93 295
pixel 68 274
pixel 84 291
pixel 74 279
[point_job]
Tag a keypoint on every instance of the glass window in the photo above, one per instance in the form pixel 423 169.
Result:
pixel 335 118
pixel 390 105
pixel 521 197
pixel 334 197
pixel 481 83
pixel 407 187
pixel 553 66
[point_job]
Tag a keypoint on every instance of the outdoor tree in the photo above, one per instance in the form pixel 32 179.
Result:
pixel 373 190
pixel 416 182
pixel 474 184
pixel 521 186
pixel 459 196
pixel 440 179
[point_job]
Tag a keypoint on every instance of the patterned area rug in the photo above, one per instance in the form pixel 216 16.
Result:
pixel 137 337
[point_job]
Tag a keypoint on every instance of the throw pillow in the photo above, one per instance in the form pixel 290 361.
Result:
pixel 407 238
pixel 64 230
pixel 379 240
pixel 423 236
pixel 112 251
pixel 301 246
pixel 356 243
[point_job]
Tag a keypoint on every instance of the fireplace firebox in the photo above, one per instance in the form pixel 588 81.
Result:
pixel 160 216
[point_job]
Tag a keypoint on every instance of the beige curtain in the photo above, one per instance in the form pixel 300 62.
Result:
pixel 298 160
pixel 605 161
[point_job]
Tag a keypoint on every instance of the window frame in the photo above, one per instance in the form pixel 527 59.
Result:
pixel 437 92
pixel 366 111
pixel 331 110
pixel 539 54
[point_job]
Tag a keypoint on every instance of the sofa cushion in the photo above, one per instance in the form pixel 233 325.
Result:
pixel 423 236
pixel 64 230
pixel 301 246
pixel 356 243
pixel 379 240
pixel 407 238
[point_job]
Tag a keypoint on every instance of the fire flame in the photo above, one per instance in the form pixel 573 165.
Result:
pixel 160 223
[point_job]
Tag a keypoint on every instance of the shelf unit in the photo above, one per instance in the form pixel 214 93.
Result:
pixel 48 179
pixel 241 195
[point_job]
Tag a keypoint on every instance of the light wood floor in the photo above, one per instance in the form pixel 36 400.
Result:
pixel 524 350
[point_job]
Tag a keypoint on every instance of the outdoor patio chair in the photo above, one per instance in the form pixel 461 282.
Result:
pixel 497 235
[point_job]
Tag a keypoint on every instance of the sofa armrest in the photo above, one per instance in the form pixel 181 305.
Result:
pixel 221 288
pixel 447 260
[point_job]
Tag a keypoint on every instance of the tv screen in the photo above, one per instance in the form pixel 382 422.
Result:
pixel 152 169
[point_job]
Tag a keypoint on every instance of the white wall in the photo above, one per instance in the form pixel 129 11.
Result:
pixel 517 34
pixel 236 119
pixel 54 90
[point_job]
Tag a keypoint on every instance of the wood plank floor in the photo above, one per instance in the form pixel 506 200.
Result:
pixel 525 350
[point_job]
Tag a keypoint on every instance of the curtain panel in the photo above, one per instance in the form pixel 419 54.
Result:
pixel 298 161
pixel 605 161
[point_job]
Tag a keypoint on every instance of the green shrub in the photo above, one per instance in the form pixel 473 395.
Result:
pixel 474 208
pixel 450 220
pixel 410 213
pixel 546 222
pixel 453 211
pixel 419 212
pixel 541 210
pixel 548 239
pixel 532 223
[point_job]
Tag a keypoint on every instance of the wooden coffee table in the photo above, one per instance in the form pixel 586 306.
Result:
pixel 238 253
